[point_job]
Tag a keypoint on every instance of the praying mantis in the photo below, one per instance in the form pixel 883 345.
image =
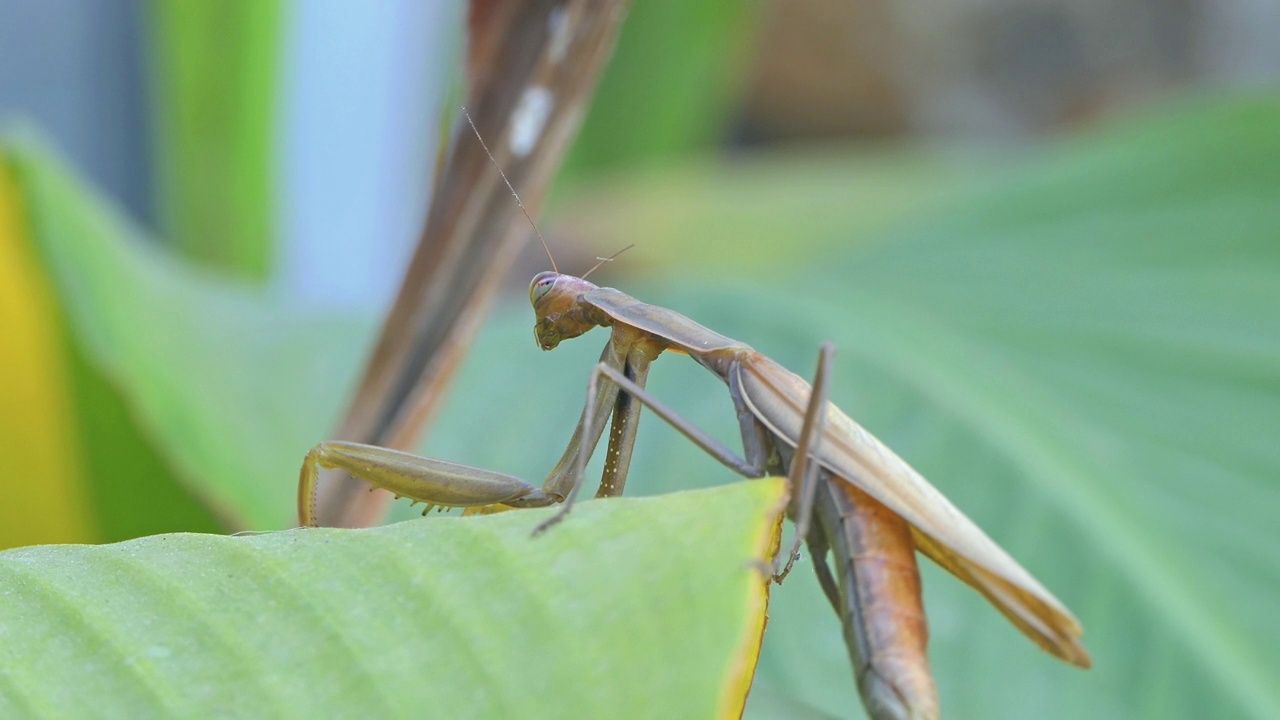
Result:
pixel 869 507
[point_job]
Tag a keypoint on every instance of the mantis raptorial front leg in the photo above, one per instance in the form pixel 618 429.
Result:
pixel 589 429
pixel 802 474
pixel 435 482
pixel 446 484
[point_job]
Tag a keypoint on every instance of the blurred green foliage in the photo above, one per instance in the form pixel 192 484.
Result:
pixel 216 69
pixel 670 88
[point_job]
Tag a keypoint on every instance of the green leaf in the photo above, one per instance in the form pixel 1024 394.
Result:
pixel 1080 350
pixel 216 80
pixel 79 469
pixel 635 608
pixel 1095 335
pixel 219 381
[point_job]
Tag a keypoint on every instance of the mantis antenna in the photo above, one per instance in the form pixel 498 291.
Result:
pixel 605 260
pixel 514 194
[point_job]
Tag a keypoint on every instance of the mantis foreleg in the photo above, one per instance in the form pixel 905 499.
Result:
pixel 803 475
pixel 604 373
pixel 435 482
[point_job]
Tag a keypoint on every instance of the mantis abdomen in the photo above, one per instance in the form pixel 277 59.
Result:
pixel 879 601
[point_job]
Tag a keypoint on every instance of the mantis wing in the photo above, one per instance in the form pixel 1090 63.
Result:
pixel 777 397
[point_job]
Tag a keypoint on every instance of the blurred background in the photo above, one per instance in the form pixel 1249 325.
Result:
pixel 1044 234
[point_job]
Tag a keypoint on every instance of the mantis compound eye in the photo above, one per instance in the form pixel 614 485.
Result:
pixel 542 282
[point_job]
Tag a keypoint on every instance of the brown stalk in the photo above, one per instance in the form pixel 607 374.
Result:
pixel 523 57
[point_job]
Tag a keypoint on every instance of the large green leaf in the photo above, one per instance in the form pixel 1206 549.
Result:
pixel 231 384
pixel 1081 351
pixel 637 608
pixel 1096 336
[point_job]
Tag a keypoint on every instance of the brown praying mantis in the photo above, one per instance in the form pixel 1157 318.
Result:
pixel 870 508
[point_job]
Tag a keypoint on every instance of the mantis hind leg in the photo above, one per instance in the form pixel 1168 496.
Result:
pixel 427 480
pixel 819 548
pixel 805 473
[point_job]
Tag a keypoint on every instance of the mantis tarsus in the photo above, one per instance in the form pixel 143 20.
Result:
pixel 871 508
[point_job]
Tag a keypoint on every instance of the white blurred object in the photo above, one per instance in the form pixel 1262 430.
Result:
pixel 1242 41
pixel 362 88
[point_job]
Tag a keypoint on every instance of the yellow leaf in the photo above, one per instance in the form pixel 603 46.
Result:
pixel 41 473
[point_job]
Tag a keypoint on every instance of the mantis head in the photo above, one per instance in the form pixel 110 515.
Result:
pixel 556 307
